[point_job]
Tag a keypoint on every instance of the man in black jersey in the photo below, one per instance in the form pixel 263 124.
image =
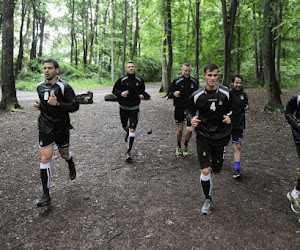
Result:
pixel 238 121
pixel 210 111
pixel 292 114
pixel 57 99
pixel 180 90
pixel 129 90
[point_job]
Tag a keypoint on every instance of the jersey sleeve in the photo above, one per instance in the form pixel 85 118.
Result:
pixel 69 103
pixel 117 88
pixel 289 112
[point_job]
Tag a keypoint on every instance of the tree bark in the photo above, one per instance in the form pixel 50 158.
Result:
pixel 278 54
pixel 112 43
pixel 9 97
pixel 136 31
pixel 228 29
pixel 21 42
pixel 197 39
pixel 124 37
pixel 167 46
pixel 274 102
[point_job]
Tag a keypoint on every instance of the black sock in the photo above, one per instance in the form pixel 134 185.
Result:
pixel 70 161
pixel 206 188
pixel 186 143
pixel 45 177
pixel 179 144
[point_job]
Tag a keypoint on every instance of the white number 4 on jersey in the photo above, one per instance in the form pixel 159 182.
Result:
pixel 213 106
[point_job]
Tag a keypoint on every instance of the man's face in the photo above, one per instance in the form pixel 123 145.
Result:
pixel 130 69
pixel 50 72
pixel 238 83
pixel 186 71
pixel 211 79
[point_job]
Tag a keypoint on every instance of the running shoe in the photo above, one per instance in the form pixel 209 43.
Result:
pixel 128 157
pixel 237 174
pixel 185 150
pixel 178 151
pixel 295 202
pixel 72 170
pixel 206 208
pixel 44 201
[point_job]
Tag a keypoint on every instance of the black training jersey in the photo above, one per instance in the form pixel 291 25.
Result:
pixel 186 86
pixel 211 106
pixel 241 101
pixel 292 114
pixel 135 85
pixel 56 119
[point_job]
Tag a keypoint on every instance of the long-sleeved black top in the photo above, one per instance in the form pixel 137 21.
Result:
pixel 56 119
pixel 292 114
pixel 241 101
pixel 211 106
pixel 135 85
pixel 186 86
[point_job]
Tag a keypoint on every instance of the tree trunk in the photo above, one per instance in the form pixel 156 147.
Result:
pixel 9 97
pixel 136 32
pixel 238 54
pixel 42 26
pixel 197 39
pixel 256 57
pixel 72 31
pixel 112 44
pixel 124 37
pixel 21 42
pixel 278 55
pixel 228 29
pixel 274 102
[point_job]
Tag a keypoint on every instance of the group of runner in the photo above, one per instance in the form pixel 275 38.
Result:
pixel 216 113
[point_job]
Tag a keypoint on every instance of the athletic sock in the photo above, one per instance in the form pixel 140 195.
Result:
pixel 236 166
pixel 179 144
pixel 45 177
pixel 186 143
pixel 206 183
pixel 295 193
pixel 130 141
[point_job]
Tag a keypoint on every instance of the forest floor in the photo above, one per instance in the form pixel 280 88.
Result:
pixel 155 202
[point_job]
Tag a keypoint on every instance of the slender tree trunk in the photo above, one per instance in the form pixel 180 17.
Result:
pixel 278 54
pixel 72 30
pixel 92 33
pixel 112 43
pixel 274 102
pixel 136 32
pixel 42 27
pixel 197 42
pixel 228 29
pixel 9 97
pixel 256 58
pixel 238 54
pixel 167 45
pixel 124 37
pixel 34 39
pixel 21 43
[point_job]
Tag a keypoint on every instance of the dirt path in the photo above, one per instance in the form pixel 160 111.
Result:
pixel 155 202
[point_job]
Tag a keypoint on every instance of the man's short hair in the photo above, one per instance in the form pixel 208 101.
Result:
pixel 236 76
pixel 186 65
pixel 54 62
pixel 210 67
pixel 130 62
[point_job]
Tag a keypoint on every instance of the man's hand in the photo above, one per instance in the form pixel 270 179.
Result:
pixel 125 93
pixel 226 119
pixel 141 97
pixel 36 105
pixel 177 93
pixel 246 108
pixel 52 100
pixel 195 120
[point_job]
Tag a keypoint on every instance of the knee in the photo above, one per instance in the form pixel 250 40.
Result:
pixel 189 129
pixel 237 147
pixel 64 155
pixel 180 129
pixel 205 171
pixel 45 159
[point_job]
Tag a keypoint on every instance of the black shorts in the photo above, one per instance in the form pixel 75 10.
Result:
pixel 211 152
pixel 62 140
pixel 237 136
pixel 131 115
pixel 180 117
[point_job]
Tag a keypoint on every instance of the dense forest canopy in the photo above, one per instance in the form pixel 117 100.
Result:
pixel 96 37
